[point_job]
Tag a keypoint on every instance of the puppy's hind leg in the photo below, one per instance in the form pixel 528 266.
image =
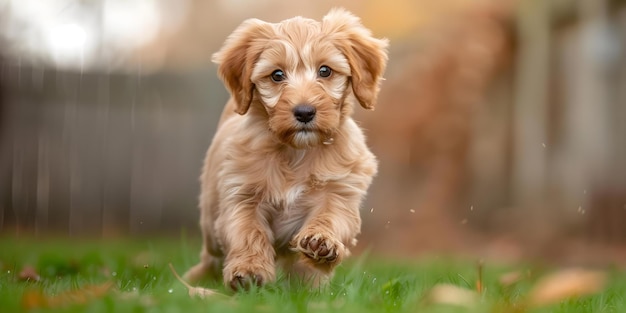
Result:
pixel 208 267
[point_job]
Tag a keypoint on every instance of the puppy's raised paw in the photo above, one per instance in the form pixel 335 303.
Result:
pixel 319 248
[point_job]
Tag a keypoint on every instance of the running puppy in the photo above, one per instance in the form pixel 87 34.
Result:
pixel 288 167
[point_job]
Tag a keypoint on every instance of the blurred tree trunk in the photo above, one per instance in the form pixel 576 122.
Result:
pixel 529 111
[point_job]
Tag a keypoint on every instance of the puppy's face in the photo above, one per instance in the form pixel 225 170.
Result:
pixel 305 74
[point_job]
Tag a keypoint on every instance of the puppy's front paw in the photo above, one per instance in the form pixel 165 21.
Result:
pixel 244 276
pixel 319 248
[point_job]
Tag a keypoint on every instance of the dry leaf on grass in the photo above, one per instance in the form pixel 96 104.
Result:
pixel 510 278
pixel 194 291
pixel 451 294
pixel 564 285
pixel 36 299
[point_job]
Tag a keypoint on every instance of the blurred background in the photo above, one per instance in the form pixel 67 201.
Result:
pixel 500 128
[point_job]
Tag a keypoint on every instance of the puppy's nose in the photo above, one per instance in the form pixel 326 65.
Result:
pixel 304 112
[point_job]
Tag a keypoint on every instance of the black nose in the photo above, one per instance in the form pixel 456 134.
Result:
pixel 304 112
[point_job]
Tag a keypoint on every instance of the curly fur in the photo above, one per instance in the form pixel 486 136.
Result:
pixel 276 191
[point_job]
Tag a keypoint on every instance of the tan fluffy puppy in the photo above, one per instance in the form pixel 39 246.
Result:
pixel 284 178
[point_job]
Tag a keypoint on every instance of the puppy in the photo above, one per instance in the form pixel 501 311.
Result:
pixel 288 167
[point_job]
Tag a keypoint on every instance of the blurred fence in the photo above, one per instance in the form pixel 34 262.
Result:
pixel 98 153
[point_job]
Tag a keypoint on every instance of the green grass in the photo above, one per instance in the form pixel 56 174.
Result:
pixel 142 282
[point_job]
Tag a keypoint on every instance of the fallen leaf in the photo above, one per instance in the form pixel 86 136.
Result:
pixel 29 273
pixel 36 299
pixel 201 292
pixel 454 295
pixel 564 285
pixel 194 291
pixel 510 278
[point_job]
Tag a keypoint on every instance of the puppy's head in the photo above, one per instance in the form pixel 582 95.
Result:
pixel 304 74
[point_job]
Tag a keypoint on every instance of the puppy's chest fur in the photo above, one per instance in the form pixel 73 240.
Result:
pixel 286 192
pixel 291 196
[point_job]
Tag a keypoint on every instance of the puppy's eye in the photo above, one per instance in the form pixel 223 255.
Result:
pixel 324 71
pixel 278 76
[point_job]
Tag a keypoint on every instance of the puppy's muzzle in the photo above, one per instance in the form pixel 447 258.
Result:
pixel 304 113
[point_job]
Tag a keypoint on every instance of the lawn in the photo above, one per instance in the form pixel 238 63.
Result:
pixel 132 275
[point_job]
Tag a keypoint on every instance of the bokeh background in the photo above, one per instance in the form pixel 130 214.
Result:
pixel 500 128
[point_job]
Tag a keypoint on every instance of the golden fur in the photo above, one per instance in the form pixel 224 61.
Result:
pixel 276 190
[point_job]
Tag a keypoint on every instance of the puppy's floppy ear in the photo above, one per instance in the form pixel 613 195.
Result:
pixel 366 55
pixel 237 57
